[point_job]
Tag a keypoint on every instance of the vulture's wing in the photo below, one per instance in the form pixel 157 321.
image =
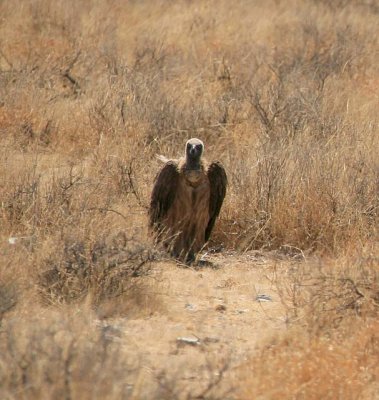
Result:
pixel 163 193
pixel 218 182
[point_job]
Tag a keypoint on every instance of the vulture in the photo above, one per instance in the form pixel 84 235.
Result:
pixel 185 201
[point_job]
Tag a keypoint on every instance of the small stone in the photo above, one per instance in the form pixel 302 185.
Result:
pixel 190 340
pixel 263 297
pixel 220 308
pixel 12 240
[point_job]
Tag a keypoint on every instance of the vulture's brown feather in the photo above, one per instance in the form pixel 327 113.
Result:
pixel 218 181
pixel 164 191
pixel 186 199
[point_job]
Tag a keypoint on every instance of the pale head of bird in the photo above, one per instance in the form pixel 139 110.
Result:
pixel 194 150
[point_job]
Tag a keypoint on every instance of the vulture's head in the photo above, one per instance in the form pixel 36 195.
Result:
pixel 194 150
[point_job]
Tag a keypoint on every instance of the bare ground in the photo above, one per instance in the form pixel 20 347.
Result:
pixel 208 321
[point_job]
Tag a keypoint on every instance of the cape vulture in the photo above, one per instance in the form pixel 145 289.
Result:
pixel 186 199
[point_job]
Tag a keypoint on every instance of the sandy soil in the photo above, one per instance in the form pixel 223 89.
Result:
pixel 209 319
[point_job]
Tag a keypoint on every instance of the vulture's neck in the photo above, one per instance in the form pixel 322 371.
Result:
pixel 192 171
pixel 192 164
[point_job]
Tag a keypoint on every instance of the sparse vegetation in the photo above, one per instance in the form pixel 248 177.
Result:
pixel 283 92
pixel 331 347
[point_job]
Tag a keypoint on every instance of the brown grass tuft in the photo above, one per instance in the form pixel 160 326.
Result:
pixel 61 356
pixel 331 347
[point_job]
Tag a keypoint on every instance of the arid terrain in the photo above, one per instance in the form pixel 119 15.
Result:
pixel 283 302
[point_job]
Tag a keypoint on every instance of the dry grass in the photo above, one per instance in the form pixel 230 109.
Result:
pixel 49 358
pixel 331 348
pixel 328 368
pixel 285 93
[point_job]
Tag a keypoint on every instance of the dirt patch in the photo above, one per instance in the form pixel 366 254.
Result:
pixel 212 320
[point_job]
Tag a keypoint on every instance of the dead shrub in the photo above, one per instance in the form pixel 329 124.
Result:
pixel 62 356
pixel 104 269
pixel 320 295
pixel 18 205
pixel 8 297
pixel 214 389
pixel 331 312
